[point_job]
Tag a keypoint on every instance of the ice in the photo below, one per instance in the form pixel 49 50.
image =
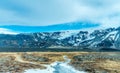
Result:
pixel 56 67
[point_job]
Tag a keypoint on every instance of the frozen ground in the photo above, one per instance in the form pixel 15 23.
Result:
pixel 56 67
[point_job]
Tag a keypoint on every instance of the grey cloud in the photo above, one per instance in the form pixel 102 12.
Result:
pixel 49 12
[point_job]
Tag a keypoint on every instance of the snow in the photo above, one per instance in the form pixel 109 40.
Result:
pixel 38 71
pixel 111 34
pixel 56 67
pixel 66 34
pixel 117 36
pixel 38 35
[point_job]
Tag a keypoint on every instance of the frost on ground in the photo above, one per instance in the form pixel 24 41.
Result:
pixel 60 62
pixel 56 67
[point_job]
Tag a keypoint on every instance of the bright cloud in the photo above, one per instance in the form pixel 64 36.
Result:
pixel 7 31
pixel 49 12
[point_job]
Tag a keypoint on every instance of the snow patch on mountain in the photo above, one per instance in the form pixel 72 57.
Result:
pixel 66 34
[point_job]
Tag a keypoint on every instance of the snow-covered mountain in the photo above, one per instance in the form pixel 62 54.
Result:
pixel 103 38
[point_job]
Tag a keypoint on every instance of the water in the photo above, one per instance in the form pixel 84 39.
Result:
pixel 56 67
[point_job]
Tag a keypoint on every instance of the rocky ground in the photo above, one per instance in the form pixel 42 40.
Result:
pixel 91 62
pixel 10 64
pixel 98 62
pixel 19 62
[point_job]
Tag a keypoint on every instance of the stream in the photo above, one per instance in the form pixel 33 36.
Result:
pixel 57 67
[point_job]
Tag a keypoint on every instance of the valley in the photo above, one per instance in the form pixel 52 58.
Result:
pixel 90 62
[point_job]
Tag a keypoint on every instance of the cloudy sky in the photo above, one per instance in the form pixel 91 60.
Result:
pixel 44 13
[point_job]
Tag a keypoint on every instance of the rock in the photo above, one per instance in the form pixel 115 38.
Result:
pixel 35 58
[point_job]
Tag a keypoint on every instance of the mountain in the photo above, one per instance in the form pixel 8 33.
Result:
pixel 96 39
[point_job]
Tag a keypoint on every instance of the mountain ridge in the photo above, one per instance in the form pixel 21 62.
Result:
pixel 103 38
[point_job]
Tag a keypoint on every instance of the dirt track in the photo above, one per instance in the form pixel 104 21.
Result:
pixel 90 61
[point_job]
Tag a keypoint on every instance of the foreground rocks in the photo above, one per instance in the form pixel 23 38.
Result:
pixel 97 62
pixel 31 57
pixel 91 62
pixel 8 64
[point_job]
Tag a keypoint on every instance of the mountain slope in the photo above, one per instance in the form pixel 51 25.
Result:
pixel 107 38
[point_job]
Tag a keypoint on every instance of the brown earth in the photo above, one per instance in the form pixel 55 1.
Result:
pixel 18 62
